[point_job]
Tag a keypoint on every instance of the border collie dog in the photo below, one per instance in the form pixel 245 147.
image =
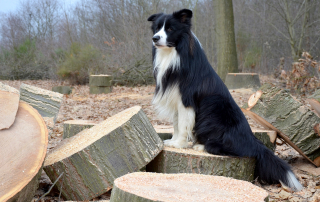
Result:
pixel 191 94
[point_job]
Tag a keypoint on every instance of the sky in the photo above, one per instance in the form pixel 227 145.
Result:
pixel 11 5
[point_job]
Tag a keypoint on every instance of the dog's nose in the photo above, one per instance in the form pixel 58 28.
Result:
pixel 155 38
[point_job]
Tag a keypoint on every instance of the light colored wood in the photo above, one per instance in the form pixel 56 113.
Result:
pixel 149 187
pixel 9 102
pixel 315 105
pixel 22 151
pixel 94 158
pixel 173 160
pixel 254 99
pixel 45 101
pixel 73 127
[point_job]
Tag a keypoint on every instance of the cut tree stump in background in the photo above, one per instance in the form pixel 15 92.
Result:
pixel 66 90
pixel 73 127
pixel 242 80
pixel 267 137
pixel 45 101
pixel 94 158
pixel 173 160
pixel 22 151
pixel 100 84
pixel 286 114
pixel 9 103
pixel 150 187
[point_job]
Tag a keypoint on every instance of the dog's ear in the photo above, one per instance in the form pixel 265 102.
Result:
pixel 154 17
pixel 184 15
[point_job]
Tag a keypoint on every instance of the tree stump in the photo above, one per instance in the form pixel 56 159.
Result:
pixel 242 80
pixel 9 103
pixel 173 160
pixel 46 102
pixel 100 84
pixel 295 120
pixel 267 137
pixel 73 127
pixel 22 151
pixel 149 187
pixel 94 158
pixel 66 90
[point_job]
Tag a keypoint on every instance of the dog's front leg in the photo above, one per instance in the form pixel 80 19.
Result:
pixel 182 127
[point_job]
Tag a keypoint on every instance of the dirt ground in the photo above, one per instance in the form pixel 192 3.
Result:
pixel 82 105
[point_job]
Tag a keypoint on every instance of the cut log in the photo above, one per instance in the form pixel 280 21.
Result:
pixel 315 95
pixel 9 103
pixel 73 127
pixel 267 137
pixel 172 160
pixel 242 80
pixel 149 187
pixel 94 158
pixel 100 80
pixel 66 90
pixel 295 120
pixel 22 150
pixel 46 102
pixel 254 99
pixel 100 89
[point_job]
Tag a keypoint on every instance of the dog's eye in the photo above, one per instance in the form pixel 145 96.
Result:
pixel 157 29
pixel 169 29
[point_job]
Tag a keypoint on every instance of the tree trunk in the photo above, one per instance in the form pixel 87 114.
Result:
pixel 22 151
pixel 94 158
pixel 290 117
pixel 9 103
pixel 149 187
pixel 225 37
pixel 172 160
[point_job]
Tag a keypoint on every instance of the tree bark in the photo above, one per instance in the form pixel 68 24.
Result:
pixel 22 151
pixel 9 103
pixel 94 158
pixel 292 118
pixel 172 160
pixel 150 187
pixel 225 37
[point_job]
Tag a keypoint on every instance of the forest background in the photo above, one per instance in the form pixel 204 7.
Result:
pixel 43 39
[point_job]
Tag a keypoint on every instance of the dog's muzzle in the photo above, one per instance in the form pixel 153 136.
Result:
pixel 155 39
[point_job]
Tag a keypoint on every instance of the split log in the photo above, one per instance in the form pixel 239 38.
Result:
pixel 46 102
pixel 94 158
pixel 278 110
pixel 9 103
pixel 22 150
pixel 66 90
pixel 173 160
pixel 149 187
pixel 73 127
pixel 242 80
pixel 267 137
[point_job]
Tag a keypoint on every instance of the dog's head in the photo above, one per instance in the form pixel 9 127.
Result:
pixel 169 29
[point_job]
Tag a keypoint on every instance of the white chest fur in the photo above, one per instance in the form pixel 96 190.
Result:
pixel 166 103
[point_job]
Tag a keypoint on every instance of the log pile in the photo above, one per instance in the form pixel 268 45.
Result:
pixel 94 158
pixel 294 122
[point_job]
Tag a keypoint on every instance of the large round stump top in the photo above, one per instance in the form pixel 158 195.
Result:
pixel 185 187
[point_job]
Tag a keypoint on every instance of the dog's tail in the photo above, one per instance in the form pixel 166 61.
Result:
pixel 270 169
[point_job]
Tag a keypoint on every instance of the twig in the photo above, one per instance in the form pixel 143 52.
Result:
pixel 50 187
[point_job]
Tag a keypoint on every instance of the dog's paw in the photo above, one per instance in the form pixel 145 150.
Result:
pixel 176 144
pixel 199 147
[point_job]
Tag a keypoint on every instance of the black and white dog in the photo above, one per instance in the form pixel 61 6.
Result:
pixel 191 94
